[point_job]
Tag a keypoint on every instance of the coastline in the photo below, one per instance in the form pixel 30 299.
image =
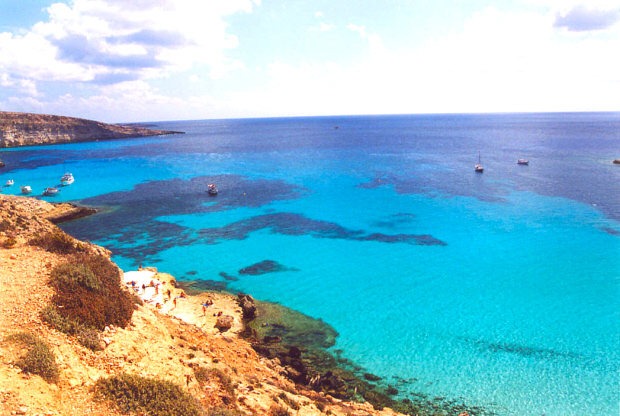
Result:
pixel 178 343
pixel 302 345
pixel 27 129
pixel 55 212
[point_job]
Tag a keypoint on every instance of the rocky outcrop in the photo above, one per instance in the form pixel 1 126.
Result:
pixel 224 322
pixel 24 129
pixel 248 306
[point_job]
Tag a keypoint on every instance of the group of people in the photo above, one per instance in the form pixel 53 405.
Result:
pixel 168 294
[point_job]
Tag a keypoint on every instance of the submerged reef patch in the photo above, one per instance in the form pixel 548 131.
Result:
pixel 263 267
pixel 522 350
pixel 395 220
pixel 297 224
pixel 133 223
pixel 132 228
pixel 301 344
pixel 611 231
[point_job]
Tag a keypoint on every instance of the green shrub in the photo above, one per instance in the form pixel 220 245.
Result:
pixel 135 394
pixel 5 225
pixel 39 359
pixel 203 375
pixel 9 242
pixel 222 411
pixel 290 402
pixel 74 274
pixel 278 410
pixel 56 241
pixel 88 291
pixel 52 316
pixel 89 338
pixel 86 336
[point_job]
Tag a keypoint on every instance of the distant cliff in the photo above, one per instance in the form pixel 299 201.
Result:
pixel 24 129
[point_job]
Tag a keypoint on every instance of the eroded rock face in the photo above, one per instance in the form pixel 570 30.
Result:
pixel 24 129
pixel 247 305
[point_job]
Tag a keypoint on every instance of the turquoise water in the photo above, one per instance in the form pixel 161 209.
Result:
pixel 499 290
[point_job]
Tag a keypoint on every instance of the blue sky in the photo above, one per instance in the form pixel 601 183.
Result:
pixel 143 60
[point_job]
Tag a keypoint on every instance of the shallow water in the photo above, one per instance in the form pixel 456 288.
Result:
pixel 500 290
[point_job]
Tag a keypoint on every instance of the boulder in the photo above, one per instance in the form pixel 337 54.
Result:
pixel 224 322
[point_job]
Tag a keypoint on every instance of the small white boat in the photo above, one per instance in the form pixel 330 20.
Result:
pixel 67 179
pixel 25 189
pixel 523 162
pixel 10 182
pixel 478 166
pixel 51 191
pixel 212 190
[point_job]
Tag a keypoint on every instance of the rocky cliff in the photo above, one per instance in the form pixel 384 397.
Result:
pixel 24 129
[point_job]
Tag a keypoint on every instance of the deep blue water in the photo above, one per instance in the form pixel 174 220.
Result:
pixel 498 289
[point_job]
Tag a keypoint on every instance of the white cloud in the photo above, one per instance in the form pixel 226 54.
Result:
pixel 318 14
pixel 93 40
pixel 359 29
pixel 499 62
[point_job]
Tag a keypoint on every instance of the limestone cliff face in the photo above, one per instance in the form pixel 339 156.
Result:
pixel 24 129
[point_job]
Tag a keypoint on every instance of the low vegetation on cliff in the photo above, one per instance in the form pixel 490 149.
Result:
pixel 142 395
pixel 37 359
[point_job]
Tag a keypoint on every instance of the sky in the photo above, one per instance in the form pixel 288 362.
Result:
pixel 156 60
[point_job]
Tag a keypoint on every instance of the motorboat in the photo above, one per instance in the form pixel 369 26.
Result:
pixel 523 162
pixel 67 179
pixel 51 191
pixel 25 189
pixel 211 189
pixel 478 166
pixel 10 182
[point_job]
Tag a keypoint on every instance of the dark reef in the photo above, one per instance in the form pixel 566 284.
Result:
pixel 300 344
pixel 265 266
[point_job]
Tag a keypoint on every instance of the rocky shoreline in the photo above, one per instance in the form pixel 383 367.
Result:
pixel 302 346
pixel 25 129
pixel 55 212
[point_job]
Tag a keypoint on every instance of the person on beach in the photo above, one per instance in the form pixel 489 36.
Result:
pixel 204 309
pixel 175 302
pixel 169 294
pixel 143 288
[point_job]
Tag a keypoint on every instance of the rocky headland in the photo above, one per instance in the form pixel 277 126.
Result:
pixel 188 344
pixel 25 129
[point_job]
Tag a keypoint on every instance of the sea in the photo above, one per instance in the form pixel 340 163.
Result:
pixel 498 289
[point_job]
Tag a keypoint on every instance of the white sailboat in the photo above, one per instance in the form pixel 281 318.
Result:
pixel 478 167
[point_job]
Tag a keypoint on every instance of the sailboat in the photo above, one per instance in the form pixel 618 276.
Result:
pixel 478 167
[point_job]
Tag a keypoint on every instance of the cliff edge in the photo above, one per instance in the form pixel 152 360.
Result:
pixel 179 347
pixel 25 129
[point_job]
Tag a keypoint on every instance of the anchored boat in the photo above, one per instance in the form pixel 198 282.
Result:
pixel 478 167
